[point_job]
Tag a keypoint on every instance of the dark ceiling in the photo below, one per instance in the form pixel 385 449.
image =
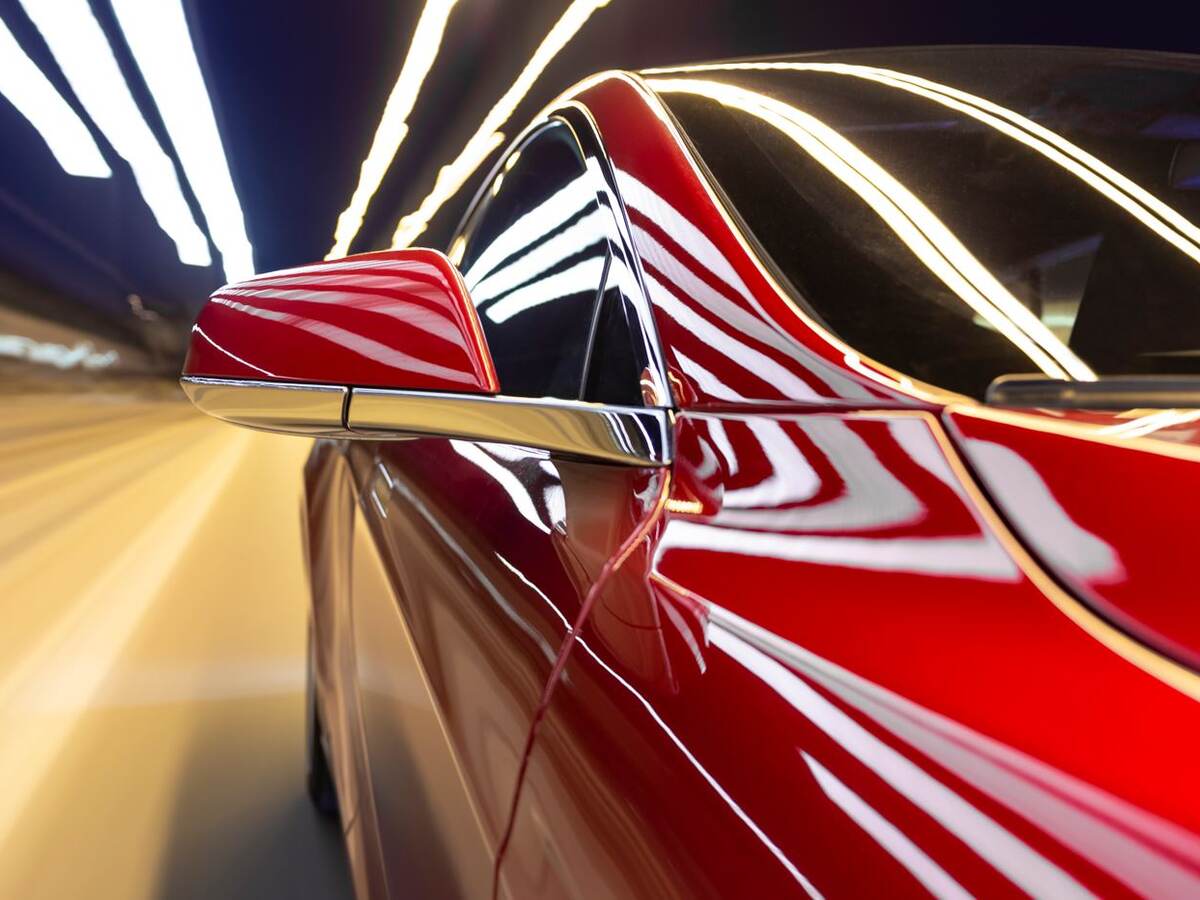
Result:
pixel 298 88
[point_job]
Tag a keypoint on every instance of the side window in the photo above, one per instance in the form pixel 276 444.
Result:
pixel 534 262
pixel 613 373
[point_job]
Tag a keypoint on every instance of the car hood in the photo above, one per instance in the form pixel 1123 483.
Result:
pixel 1107 502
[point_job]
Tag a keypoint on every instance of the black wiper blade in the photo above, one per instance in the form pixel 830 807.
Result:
pixel 1107 392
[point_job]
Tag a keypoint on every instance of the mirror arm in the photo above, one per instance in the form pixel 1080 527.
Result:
pixel 624 435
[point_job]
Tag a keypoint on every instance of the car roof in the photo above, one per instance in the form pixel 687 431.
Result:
pixel 953 56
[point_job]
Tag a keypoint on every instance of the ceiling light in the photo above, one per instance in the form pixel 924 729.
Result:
pixel 23 83
pixel 158 36
pixel 86 59
pixel 488 137
pixel 393 127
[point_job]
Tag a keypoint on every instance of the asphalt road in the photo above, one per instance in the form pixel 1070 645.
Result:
pixel 152 657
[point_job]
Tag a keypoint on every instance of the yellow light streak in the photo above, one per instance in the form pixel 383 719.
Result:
pixel 89 634
pixel 914 223
pixel 684 507
pixel 1152 212
pixel 455 254
pixel 393 126
pixel 488 137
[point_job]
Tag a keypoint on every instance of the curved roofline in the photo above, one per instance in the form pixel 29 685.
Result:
pixel 932 50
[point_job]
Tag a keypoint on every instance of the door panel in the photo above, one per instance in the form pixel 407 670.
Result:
pixel 484 553
pixel 330 493
pixel 491 550
pixel 430 837
pixel 464 537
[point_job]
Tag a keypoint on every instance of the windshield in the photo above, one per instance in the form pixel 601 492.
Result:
pixel 966 213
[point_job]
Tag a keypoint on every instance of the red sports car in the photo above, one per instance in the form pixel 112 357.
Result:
pixel 780 488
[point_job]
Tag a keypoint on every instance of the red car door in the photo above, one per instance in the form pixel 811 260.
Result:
pixel 852 669
pixel 490 549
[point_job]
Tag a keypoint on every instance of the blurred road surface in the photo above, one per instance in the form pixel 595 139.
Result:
pixel 152 657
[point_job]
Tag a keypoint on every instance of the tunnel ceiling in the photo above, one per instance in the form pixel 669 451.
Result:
pixel 204 140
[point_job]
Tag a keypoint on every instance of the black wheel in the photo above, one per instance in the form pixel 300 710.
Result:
pixel 321 789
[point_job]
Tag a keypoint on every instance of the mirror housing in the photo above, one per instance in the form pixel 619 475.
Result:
pixel 281 351
pixel 382 346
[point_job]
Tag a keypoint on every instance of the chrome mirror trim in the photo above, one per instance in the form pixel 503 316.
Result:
pixel 618 434
pixel 316 410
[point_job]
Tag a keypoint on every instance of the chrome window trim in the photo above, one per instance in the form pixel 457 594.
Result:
pixel 627 435
pixel 317 410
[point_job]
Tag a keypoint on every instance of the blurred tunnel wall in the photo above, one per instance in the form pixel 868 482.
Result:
pixel 152 151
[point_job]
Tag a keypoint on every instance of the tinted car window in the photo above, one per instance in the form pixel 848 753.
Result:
pixel 1041 219
pixel 534 264
pixel 613 373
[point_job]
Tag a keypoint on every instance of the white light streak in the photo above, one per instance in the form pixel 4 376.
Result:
pixel 83 355
pixel 542 219
pixel 741 353
pixel 1138 202
pixel 1151 422
pixel 933 877
pixel 393 126
pixel 488 137
pixel 23 83
pixel 158 36
pixel 542 257
pixel 82 52
pixel 583 277
pixel 511 484
pixel 1012 857
pixel 979 558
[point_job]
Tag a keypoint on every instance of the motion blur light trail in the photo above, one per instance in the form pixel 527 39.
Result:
pixel 488 137
pixel 23 83
pixel 82 51
pixel 393 127
pixel 152 660
pixel 158 36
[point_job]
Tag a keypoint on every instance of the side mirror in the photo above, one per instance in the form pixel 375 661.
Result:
pixel 382 346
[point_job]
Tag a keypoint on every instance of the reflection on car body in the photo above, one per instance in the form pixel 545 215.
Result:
pixel 705 568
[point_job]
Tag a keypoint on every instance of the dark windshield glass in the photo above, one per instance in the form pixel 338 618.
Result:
pixel 968 213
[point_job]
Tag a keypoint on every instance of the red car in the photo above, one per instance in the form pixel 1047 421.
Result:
pixel 789 497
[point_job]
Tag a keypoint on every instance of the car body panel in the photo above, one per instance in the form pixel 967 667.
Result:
pixel 824 666
pixel 488 575
pixel 427 825
pixel 790 751
pixel 1103 500
pixel 330 496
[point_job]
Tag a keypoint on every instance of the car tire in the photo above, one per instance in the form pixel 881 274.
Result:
pixel 321 789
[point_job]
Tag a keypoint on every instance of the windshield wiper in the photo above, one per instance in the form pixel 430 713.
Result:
pixel 1107 392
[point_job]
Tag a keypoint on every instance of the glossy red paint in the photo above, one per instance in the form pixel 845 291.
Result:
pixel 729 332
pixel 848 697
pixel 828 668
pixel 395 319
pixel 1060 479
